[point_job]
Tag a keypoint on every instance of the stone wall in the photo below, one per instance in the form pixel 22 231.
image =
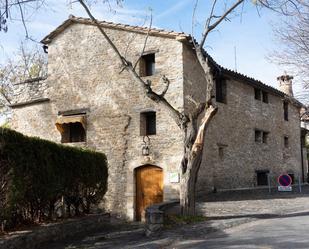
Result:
pixel 233 131
pixel 84 73
pixel 29 90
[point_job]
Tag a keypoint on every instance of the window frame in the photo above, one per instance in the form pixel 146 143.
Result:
pixel 67 135
pixel 148 123
pixel 261 136
pixel 147 64
pixel 265 137
pixel 258 136
pixel 286 110
pixel 286 141
pixel 257 93
pixel 221 90
pixel 265 98
pixel 260 172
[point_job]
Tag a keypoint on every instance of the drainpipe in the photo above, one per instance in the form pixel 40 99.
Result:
pixel 302 157
pixel 301 146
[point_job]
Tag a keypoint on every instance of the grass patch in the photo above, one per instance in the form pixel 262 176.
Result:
pixel 173 220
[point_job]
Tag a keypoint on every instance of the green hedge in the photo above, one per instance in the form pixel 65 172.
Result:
pixel 40 179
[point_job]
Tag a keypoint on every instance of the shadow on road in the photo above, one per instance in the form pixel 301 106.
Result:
pixel 260 216
pixel 254 194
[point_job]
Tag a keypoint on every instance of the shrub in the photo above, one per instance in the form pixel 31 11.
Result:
pixel 39 178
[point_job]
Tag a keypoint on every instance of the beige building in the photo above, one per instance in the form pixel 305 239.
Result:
pixel 87 100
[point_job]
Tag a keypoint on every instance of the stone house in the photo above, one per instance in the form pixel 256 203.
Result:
pixel 87 100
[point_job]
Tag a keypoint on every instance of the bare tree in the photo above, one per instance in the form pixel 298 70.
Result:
pixel 293 52
pixel 29 62
pixel 195 124
pixel 20 10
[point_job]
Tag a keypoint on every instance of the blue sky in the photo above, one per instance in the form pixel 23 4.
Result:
pixel 250 33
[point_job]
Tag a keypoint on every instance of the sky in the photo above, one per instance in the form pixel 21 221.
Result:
pixel 242 43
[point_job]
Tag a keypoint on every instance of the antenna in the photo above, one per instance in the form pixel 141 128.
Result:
pixel 235 59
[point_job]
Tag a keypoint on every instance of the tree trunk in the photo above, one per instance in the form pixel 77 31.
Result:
pixel 188 185
pixel 192 159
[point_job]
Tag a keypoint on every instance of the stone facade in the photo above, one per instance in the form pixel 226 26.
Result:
pixel 84 73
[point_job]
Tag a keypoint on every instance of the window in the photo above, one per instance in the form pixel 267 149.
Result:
pixel 147 65
pixel 148 123
pixel 221 152
pixel 261 136
pixel 261 177
pixel 72 128
pixel 265 97
pixel 261 95
pixel 286 110
pixel 257 93
pixel 286 141
pixel 265 137
pixel 258 136
pixel 73 132
pixel 221 90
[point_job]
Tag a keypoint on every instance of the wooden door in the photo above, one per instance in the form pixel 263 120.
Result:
pixel 149 188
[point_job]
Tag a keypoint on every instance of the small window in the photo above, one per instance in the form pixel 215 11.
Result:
pixel 258 136
pixel 148 123
pixel 257 93
pixel 221 90
pixel 73 133
pixel 72 128
pixel 286 141
pixel 262 178
pixel 265 137
pixel 147 65
pixel 286 110
pixel 221 152
pixel 265 97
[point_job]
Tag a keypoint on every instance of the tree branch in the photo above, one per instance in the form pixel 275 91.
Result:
pixel 145 42
pixel 209 27
pixel 178 117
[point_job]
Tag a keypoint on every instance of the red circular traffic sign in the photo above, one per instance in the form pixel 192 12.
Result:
pixel 284 180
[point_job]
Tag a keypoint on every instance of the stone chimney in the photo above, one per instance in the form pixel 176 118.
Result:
pixel 285 84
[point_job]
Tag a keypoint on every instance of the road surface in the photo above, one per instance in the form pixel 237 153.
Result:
pixel 290 232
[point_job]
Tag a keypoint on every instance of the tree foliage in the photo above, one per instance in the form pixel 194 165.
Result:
pixel 39 178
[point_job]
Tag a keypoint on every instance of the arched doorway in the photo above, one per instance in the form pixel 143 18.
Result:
pixel 149 188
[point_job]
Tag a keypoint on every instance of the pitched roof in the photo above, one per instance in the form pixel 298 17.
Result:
pixel 181 36
pixel 137 29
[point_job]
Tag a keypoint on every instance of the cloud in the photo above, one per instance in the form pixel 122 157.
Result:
pixel 173 9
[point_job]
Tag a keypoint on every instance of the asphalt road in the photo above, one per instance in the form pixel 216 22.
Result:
pixel 285 233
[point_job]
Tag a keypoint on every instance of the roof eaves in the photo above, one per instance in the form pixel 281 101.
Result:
pixel 142 30
pixel 253 82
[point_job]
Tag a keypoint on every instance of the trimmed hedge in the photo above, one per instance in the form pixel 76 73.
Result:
pixel 40 179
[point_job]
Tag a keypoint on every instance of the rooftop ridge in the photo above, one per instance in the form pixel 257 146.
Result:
pixel 181 36
pixel 133 28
